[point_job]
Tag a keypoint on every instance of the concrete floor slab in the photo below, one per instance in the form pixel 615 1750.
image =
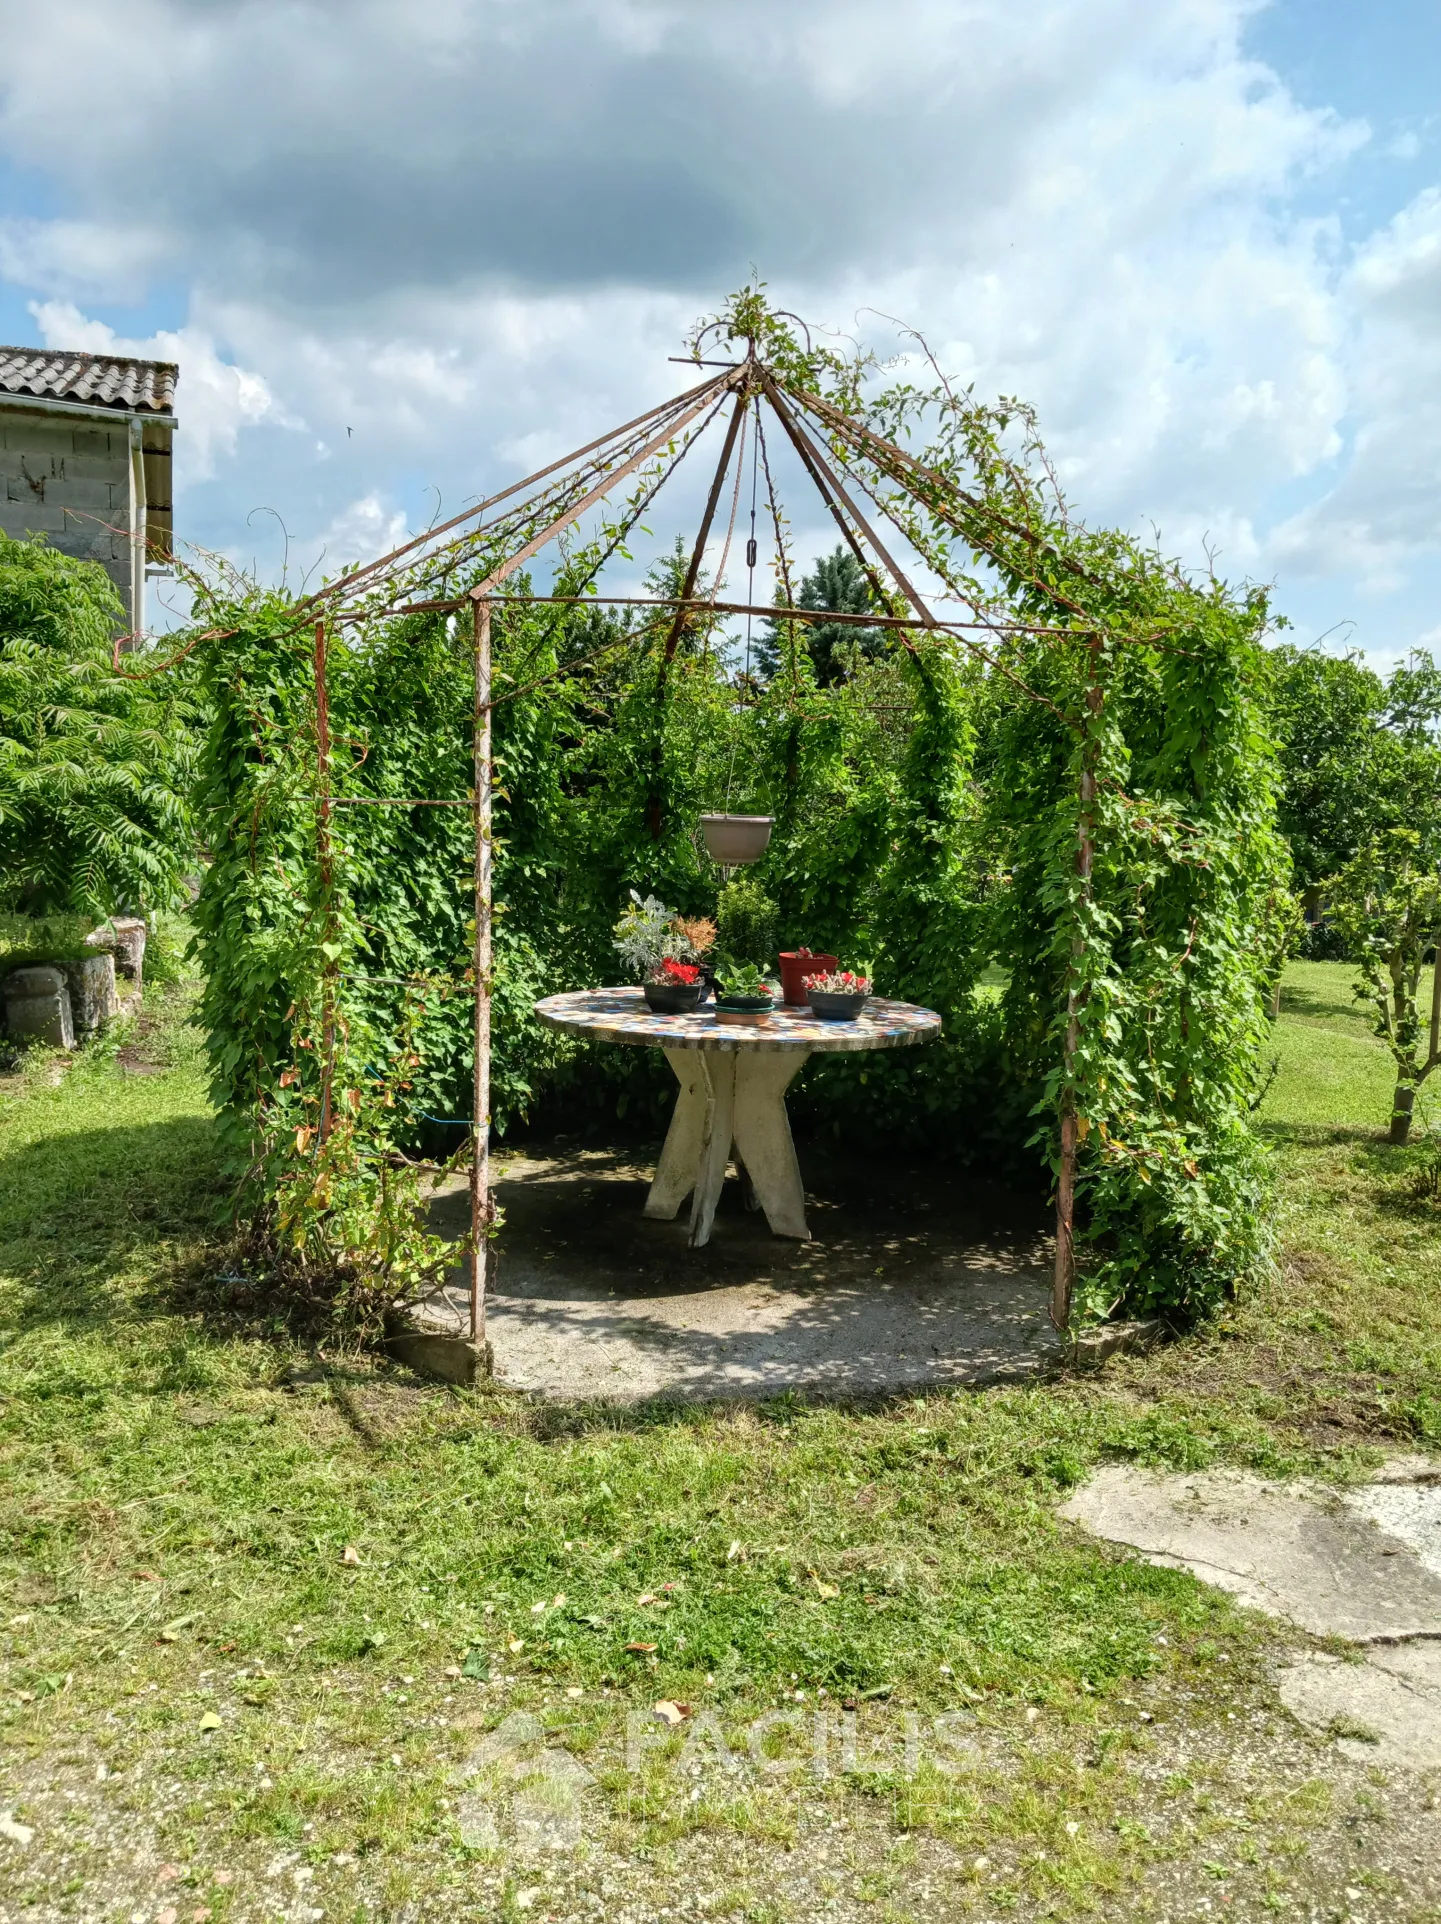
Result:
pixel 1385 1710
pixel 1365 1565
pixel 910 1280
pixel 1295 1553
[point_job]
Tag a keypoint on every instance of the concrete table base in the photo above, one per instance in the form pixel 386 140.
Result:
pixel 733 1082
pixel 730 1103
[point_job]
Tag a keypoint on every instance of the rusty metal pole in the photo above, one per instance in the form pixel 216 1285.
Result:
pixel 480 1094
pixel 1064 1280
pixel 325 860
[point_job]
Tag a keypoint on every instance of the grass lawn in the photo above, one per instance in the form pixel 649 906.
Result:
pixel 257 1602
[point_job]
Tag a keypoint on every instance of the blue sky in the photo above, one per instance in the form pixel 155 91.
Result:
pixel 405 249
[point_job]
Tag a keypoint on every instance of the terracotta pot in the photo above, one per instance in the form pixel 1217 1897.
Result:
pixel 736 839
pixel 743 1011
pixel 795 967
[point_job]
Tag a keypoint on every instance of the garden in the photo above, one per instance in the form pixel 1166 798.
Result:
pixel 273 1603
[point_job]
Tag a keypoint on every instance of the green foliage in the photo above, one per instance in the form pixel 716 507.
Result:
pixel 1387 904
pixel 839 582
pixel 929 806
pixel 43 938
pixel 1356 755
pixel 747 923
pixel 93 765
pixel 745 981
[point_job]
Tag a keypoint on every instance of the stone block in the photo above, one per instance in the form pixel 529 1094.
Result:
pixel 93 997
pixel 37 1007
pixel 123 936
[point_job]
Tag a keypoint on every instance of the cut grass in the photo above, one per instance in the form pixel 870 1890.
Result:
pixel 176 1497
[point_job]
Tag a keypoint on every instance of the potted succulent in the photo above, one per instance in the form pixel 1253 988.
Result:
pixel 796 966
pixel 839 996
pixel 743 996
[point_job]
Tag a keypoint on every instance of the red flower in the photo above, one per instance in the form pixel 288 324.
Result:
pixel 679 972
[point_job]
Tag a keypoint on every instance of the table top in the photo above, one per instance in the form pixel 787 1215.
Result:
pixel 621 1015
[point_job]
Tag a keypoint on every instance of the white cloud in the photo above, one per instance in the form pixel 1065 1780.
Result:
pixel 453 240
pixel 1383 516
pixel 80 258
pixel 216 399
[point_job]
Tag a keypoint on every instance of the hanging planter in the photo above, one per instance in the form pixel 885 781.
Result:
pixel 736 839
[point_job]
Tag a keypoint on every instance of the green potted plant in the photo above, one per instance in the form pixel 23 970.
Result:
pixel 743 996
pixel 673 987
pixel 665 950
pixel 839 996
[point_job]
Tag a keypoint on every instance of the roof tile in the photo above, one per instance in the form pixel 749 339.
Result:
pixel 98 380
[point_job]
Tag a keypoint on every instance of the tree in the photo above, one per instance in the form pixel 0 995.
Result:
pixel 1387 902
pixel 837 582
pixel 93 764
pixel 1357 755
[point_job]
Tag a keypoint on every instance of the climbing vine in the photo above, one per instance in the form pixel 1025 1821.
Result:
pixel 1056 826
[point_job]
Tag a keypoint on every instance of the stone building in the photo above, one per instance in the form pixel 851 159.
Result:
pixel 85 460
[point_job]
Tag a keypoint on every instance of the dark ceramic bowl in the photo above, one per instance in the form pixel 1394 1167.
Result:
pixel 835 1008
pixel 673 998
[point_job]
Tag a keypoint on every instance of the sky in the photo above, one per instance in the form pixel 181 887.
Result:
pixel 406 250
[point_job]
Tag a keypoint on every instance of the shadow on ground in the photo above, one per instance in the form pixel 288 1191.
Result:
pixel 914 1277
pixel 80 1208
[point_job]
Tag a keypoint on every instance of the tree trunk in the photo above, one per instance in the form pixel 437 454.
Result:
pixel 1402 1105
pixel 1276 1000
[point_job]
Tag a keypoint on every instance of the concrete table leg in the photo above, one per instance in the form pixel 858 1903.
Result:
pixel 730 1103
pixel 679 1160
pixel 762 1134
pixel 715 1153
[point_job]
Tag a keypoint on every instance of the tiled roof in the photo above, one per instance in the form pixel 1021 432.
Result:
pixel 98 380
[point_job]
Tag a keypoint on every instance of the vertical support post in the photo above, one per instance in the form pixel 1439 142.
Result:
pixel 325 860
pixel 480 1212
pixel 1064 1280
pixel 138 543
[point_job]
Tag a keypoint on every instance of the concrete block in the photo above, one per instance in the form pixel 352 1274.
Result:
pixel 1094 1346
pixel 93 998
pixel 454 1359
pixel 37 1007
pixel 97 467
pixel 20 519
pixel 88 496
pixel 39 434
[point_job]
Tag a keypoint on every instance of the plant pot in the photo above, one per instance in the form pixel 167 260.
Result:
pixel 736 839
pixel 673 998
pixel 743 1011
pixel 836 1008
pixel 794 970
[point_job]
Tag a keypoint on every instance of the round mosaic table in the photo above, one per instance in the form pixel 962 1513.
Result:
pixel 732 1093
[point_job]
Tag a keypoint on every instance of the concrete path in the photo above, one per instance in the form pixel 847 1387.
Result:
pixel 1364 1566
pixel 909 1281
